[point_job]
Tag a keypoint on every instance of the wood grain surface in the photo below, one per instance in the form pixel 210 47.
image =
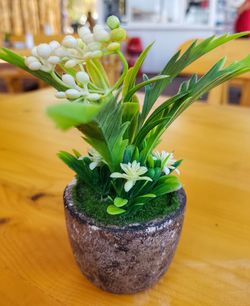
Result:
pixel 212 263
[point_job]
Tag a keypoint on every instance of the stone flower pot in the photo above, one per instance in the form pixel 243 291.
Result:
pixel 125 259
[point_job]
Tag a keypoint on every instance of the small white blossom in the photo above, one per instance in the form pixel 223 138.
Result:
pixel 72 94
pixel 82 77
pixel 69 42
pixel 54 60
pixel 71 63
pixel 95 157
pixel 54 44
pixel 133 172
pixel 60 95
pixel 168 160
pixel 44 50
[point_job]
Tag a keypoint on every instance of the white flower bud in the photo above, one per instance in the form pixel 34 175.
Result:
pixel 30 59
pixel 70 63
pixel 44 50
pixel 88 38
pixel 35 66
pixel 61 52
pixel 96 54
pixel 34 51
pixel 102 36
pixel 69 42
pixel 54 60
pixel 72 94
pixel 113 22
pixel 87 55
pixel 81 44
pixel 82 77
pixel 72 53
pixel 46 68
pixel 94 46
pixel 93 97
pixel 54 44
pixel 69 80
pixel 83 31
pixel 97 28
pixel 60 94
pixel 113 46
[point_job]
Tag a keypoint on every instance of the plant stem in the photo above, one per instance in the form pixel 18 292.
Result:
pixel 125 70
pixel 57 79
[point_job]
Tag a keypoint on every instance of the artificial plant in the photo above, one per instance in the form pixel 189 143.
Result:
pixel 122 164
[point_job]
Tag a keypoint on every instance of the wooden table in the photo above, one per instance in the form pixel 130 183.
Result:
pixel 212 263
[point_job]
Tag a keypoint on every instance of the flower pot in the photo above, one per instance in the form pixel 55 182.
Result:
pixel 125 259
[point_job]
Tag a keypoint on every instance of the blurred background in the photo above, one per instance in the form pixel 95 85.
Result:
pixel 172 24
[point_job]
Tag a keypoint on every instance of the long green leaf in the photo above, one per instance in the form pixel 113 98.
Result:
pixel 178 62
pixel 130 78
pixel 143 84
pixel 105 134
pixel 67 115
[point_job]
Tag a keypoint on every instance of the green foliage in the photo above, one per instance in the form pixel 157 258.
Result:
pixel 178 62
pixel 124 170
pixel 105 134
pixel 67 115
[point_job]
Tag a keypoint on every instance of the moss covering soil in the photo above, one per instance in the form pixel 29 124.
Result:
pixel 89 202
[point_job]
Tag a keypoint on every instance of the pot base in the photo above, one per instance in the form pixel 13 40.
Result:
pixel 124 259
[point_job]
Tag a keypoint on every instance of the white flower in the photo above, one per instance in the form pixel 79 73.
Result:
pixel 43 57
pixel 132 174
pixel 95 157
pixel 100 34
pixel 167 159
pixel 72 94
pixel 74 90
pixel 82 77
pixel 43 50
pixel 69 42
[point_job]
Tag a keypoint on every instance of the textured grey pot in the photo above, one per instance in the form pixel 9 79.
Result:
pixel 125 259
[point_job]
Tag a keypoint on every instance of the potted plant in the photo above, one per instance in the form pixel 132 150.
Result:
pixel 125 207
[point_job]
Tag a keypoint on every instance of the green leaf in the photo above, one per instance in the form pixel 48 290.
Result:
pixel 137 87
pixel 67 115
pixel 128 154
pixel 178 62
pixel 120 202
pixel 130 78
pixel 96 74
pixel 189 92
pixel 166 184
pixel 77 154
pixel 105 134
pixel 113 210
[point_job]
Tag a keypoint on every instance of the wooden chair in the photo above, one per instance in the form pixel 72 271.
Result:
pixel 233 51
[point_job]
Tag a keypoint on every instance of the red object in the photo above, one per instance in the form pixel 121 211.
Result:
pixel 134 49
pixel 134 46
pixel 243 22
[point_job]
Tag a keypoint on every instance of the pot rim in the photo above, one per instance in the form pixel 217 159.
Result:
pixel 152 225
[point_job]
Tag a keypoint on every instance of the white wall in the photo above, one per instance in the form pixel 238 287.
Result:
pixel 166 44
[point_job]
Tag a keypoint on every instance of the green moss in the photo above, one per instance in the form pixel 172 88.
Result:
pixel 90 203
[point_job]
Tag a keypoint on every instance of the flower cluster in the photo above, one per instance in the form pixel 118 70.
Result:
pixel 75 91
pixel 76 51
